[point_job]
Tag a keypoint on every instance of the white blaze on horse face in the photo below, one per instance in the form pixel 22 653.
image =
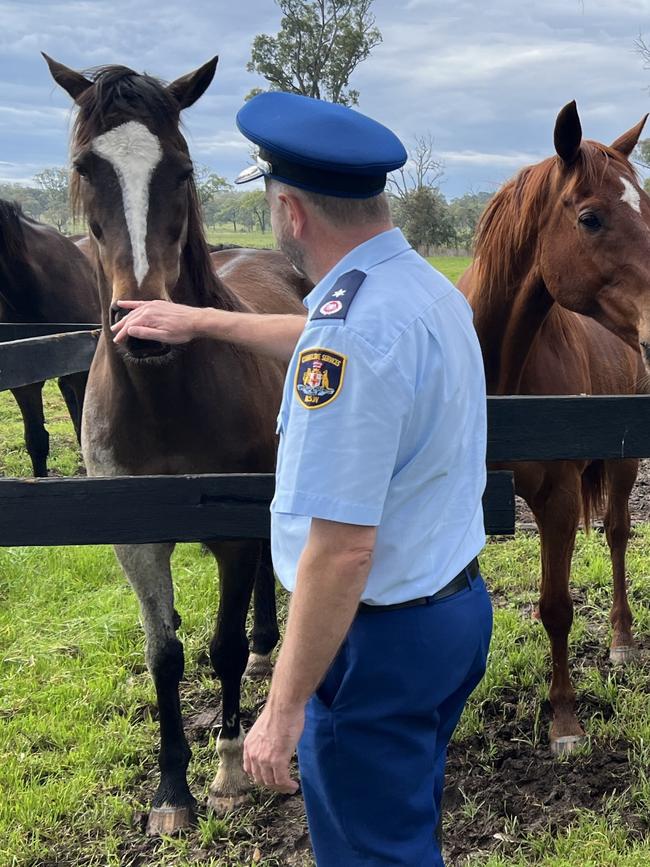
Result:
pixel 134 152
pixel 631 195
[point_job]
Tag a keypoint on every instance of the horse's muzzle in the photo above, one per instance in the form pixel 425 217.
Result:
pixel 141 350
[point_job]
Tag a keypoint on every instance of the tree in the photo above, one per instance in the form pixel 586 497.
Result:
pixel 55 184
pixel 418 206
pixel 208 184
pixel 319 46
pixel 424 216
pixel 254 205
pixel 229 209
pixel 422 169
pixel 465 212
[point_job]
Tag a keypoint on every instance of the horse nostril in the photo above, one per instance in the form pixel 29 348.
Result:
pixel 117 313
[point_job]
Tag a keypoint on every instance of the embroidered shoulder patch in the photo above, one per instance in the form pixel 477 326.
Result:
pixel 319 377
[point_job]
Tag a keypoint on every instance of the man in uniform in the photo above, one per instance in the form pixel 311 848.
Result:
pixel 377 517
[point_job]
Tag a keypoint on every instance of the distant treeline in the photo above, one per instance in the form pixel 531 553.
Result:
pixel 428 219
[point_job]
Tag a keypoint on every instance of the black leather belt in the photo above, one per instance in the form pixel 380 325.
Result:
pixel 462 580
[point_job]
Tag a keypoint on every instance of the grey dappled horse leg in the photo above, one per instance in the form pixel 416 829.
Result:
pixel 238 565
pixel 73 389
pixel 148 569
pixel 621 476
pixel 37 440
pixel 265 621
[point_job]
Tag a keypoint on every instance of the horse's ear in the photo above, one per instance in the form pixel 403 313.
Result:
pixel 187 89
pixel 71 81
pixel 568 134
pixel 626 143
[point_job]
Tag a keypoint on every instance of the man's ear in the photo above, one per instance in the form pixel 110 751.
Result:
pixel 295 212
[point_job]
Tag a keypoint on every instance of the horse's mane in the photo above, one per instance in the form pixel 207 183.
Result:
pixel 508 227
pixel 119 95
pixel 12 238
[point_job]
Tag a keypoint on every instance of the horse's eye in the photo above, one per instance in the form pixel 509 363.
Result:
pixel 590 221
pixel 95 228
pixel 185 175
pixel 81 170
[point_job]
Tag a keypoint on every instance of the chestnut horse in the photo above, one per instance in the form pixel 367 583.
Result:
pixel 43 278
pixel 562 267
pixel 206 407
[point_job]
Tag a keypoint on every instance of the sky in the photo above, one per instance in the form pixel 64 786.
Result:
pixel 484 79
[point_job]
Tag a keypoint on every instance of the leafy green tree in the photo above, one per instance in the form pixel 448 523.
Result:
pixel 319 46
pixel 423 215
pixel 254 206
pixel 228 209
pixel 208 184
pixel 54 183
pixel 465 212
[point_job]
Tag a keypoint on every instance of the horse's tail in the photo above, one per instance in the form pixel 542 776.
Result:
pixel 12 239
pixel 594 491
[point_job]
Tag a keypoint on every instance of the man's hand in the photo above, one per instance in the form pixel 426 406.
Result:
pixel 158 320
pixel 269 747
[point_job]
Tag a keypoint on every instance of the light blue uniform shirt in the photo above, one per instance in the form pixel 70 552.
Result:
pixel 401 443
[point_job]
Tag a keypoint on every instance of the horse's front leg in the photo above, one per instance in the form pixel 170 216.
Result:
pixel 265 620
pixel 148 569
pixel 621 476
pixel 37 440
pixel 558 519
pixel 73 389
pixel 238 566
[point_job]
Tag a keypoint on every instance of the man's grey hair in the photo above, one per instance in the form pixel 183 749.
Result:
pixel 342 211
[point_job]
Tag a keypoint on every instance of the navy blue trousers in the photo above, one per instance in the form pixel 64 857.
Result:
pixel 372 756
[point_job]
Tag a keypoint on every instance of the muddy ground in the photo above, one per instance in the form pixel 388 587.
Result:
pixel 502 785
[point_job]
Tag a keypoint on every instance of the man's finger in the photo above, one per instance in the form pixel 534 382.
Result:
pixel 131 305
pixel 144 333
pixel 283 782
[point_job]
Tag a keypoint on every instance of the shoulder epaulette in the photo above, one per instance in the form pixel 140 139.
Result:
pixel 337 302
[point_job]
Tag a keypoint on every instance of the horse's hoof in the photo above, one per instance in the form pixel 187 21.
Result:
pixel 622 655
pixel 169 820
pixel 567 744
pixel 259 666
pixel 222 804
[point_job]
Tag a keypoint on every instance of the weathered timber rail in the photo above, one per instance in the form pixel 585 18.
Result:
pixel 139 509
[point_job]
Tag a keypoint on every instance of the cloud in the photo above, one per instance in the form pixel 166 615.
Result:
pixel 485 79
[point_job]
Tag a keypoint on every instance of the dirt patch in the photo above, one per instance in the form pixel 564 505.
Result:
pixel 502 785
pixel 502 788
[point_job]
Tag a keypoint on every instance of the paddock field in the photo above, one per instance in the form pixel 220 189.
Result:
pixel 451 266
pixel 78 735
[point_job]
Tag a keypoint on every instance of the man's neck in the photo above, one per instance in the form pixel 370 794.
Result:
pixel 329 248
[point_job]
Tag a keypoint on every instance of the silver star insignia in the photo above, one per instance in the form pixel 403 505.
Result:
pixel 339 293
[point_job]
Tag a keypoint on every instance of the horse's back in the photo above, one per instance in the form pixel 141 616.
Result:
pixel 263 279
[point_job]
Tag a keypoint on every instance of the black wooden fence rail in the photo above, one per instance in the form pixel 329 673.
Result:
pixel 186 508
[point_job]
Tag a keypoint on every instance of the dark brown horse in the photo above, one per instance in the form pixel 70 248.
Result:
pixel 43 278
pixel 206 407
pixel 569 234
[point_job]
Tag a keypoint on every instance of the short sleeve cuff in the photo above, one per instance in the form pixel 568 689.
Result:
pixel 315 506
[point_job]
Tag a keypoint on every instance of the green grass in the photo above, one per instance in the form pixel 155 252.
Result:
pixel 451 266
pixel 77 710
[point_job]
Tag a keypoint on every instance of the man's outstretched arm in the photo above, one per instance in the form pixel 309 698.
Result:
pixel 274 335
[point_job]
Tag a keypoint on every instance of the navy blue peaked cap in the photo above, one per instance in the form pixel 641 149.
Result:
pixel 318 146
